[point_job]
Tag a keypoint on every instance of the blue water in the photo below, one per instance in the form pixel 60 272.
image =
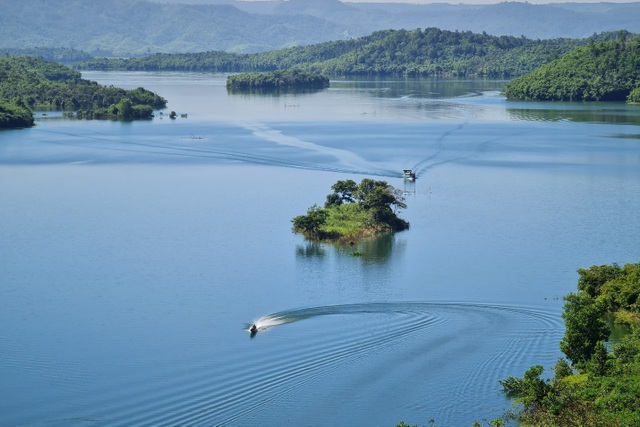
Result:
pixel 134 254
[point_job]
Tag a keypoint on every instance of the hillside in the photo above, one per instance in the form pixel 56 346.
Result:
pixel 601 71
pixel 27 83
pixel 124 28
pixel 429 52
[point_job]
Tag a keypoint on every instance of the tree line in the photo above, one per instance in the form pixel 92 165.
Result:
pixel 600 71
pixel 276 80
pixel 428 52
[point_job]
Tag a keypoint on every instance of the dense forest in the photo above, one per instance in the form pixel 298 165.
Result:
pixel 601 71
pixel 429 52
pixel 27 83
pixel 599 385
pixel 353 212
pixel 13 115
pixel 276 80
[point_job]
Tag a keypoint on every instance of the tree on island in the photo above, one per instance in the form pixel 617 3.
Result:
pixel 277 80
pixel 354 211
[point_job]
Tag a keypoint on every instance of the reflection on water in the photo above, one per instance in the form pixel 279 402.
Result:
pixel 411 87
pixel 612 113
pixel 370 251
pixel 311 249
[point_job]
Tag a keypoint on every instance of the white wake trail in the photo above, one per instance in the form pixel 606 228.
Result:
pixel 344 157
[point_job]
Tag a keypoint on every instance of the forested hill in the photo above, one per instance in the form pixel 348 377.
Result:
pixel 429 52
pixel 124 28
pixel 27 83
pixel 600 71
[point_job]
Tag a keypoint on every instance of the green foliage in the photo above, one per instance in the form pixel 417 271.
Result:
pixel 591 279
pixel 35 83
pixel 601 71
pixel 13 115
pixel 623 291
pixel 562 369
pixel 634 96
pixel 277 80
pixel 585 327
pixel 311 223
pixel 429 52
pixel 607 390
pixel 354 211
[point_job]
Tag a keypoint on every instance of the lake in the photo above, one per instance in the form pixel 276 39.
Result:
pixel 135 254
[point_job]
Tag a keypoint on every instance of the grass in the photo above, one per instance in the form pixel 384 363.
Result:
pixel 348 221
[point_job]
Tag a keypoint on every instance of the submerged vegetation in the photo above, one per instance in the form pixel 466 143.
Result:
pixel 601 71
pixel 28 83
pixel 354 212
pixel 599 385
pixel 277 80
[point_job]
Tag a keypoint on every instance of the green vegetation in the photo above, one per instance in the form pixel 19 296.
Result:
pixel 353 212
pixel 276 80
pixel 28 83
pixel 599 388
pixel 634 96
pixel 13 115
pixel 429 52
pixel 55 54
pixel 601 71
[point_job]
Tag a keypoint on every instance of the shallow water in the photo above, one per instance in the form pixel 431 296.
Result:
pixel 134 254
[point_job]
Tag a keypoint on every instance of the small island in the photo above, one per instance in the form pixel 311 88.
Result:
pixel 28 83
pixel 354 212
pixel 277 80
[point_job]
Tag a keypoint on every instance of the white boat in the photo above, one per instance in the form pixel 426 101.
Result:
pixel 408 174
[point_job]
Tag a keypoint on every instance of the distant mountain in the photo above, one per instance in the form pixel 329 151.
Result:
pixel 137 27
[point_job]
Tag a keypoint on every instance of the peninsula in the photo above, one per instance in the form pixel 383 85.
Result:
pixel 28 83
pixel 354 212
pixel 601 71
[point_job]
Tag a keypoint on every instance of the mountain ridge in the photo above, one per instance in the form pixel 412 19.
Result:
pixel 123 28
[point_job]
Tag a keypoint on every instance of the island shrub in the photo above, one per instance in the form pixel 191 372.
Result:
pixel 354 212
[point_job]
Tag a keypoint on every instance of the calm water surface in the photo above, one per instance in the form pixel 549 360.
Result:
pixel 134 254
